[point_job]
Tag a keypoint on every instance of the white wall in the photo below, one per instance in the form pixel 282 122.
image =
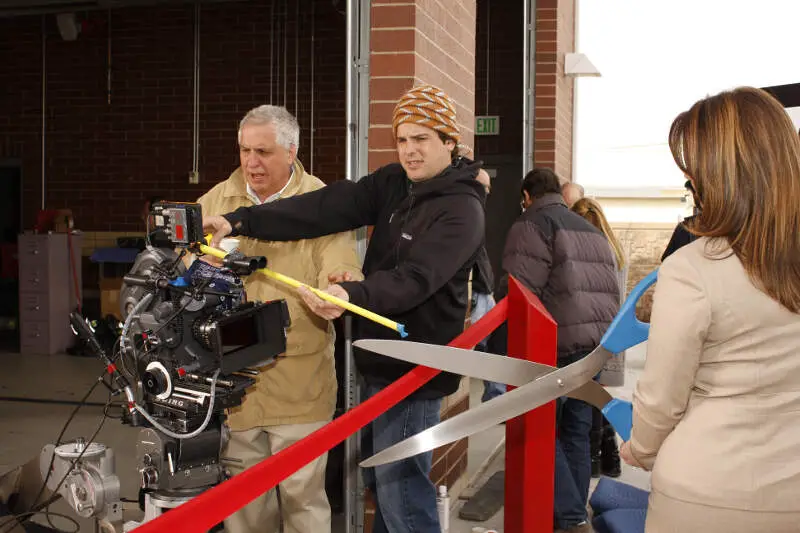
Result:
pixel 794 112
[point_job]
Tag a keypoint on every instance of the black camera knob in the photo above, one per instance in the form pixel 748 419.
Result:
pixel 157 381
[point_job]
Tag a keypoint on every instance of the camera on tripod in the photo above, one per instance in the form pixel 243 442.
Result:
pixel 190 346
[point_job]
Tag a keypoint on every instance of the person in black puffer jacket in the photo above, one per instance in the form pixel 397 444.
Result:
pixel 428 218
pixel 568 264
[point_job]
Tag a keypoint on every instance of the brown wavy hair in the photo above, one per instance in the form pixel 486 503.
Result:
pixel 590 209
pixel 742 152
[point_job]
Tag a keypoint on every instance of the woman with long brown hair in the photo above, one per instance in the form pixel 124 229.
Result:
pixel 717 408
pixel 603 438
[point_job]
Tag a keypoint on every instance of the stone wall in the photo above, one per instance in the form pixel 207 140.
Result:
pixel 643 245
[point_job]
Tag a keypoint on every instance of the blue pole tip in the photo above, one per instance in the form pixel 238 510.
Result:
pixel 401 329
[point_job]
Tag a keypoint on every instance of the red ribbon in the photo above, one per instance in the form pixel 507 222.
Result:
pixel 214 505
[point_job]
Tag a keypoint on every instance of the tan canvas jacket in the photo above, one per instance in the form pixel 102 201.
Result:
pixel 717 408
pixel 300 387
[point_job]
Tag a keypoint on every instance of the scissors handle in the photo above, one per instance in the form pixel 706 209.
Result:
pixel 619 414
pixel 626 330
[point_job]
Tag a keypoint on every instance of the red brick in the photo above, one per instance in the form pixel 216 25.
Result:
pixel 392 64
pixel 389 89
pixel 380 138
pixel 543 25
pixel 392 16
pixel 546 14
pixel 392 40
pixel 378 159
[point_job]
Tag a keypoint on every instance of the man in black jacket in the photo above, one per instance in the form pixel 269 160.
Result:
pixel 569 265
pixel 428 218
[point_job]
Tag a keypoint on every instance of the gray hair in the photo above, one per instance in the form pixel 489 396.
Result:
pixel 287 130
pixel 571 185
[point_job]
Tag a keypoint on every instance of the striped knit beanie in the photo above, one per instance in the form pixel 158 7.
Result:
pixel 427 106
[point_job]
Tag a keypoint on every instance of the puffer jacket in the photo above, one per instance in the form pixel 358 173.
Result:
pixel 301 387
pixel 426 239
pixel 569 265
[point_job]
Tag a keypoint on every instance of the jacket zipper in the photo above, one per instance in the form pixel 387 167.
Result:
pixel 403 225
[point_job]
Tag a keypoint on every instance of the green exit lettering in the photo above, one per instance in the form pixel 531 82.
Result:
pixel 487 125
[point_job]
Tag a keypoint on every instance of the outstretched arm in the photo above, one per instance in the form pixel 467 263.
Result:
pixel 341 206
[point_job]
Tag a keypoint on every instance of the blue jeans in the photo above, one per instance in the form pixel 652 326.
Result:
pixel 573 462
pixel 405 497
pixel 483 304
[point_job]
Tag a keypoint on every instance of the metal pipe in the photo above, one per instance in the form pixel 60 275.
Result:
pixel 277 59
pixel 350 444
pixel 313 41
pixel 271 47
pixel 44 105
pixel 528 77
pixel 488 40
pixel 108 69
pixel 196 96
pixel 575 118
pixel 285 45
pixel 363 100
pixel 349 90
pixel 296 55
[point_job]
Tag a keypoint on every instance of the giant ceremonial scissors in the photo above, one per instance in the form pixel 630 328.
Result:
pixel 537 384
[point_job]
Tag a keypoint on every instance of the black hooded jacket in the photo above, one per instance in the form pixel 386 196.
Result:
pixel 425 241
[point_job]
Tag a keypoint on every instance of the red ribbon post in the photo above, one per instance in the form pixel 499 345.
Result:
pixel 214 505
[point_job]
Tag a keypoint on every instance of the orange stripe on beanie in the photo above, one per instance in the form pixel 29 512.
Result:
pixel 427 106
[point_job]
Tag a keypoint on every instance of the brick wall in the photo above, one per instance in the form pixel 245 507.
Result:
pixel 104 158
pixel 554 37
pixel 424 41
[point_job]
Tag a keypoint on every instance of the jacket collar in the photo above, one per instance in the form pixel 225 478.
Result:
pixel 546 200
pixel 236 185
pixel 458 177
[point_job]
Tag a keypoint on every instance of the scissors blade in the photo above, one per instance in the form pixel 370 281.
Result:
pixel 509 405
pixel 481 365
pixel 490 367
pixel 624 332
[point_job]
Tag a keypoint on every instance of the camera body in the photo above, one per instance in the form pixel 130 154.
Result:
pixel 190 347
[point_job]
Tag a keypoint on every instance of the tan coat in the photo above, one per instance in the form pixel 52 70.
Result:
pixel 301 387
pixel 717 408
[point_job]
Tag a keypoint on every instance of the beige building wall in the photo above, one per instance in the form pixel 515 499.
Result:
pixel 643 244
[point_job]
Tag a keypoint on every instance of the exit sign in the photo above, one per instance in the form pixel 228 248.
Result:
pixel 488 125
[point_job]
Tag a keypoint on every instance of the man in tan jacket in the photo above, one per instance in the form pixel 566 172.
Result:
pixel 297 395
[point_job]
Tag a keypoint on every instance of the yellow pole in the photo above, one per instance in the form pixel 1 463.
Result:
pixel 391 324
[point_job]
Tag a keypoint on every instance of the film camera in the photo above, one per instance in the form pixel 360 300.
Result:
pixel 189 348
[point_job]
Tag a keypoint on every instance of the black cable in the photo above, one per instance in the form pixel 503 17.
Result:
pixel 109 403
pixel 20 399
pixel 31 514
pixel 174 265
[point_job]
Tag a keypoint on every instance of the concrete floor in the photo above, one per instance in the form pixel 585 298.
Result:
pixel 26 426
